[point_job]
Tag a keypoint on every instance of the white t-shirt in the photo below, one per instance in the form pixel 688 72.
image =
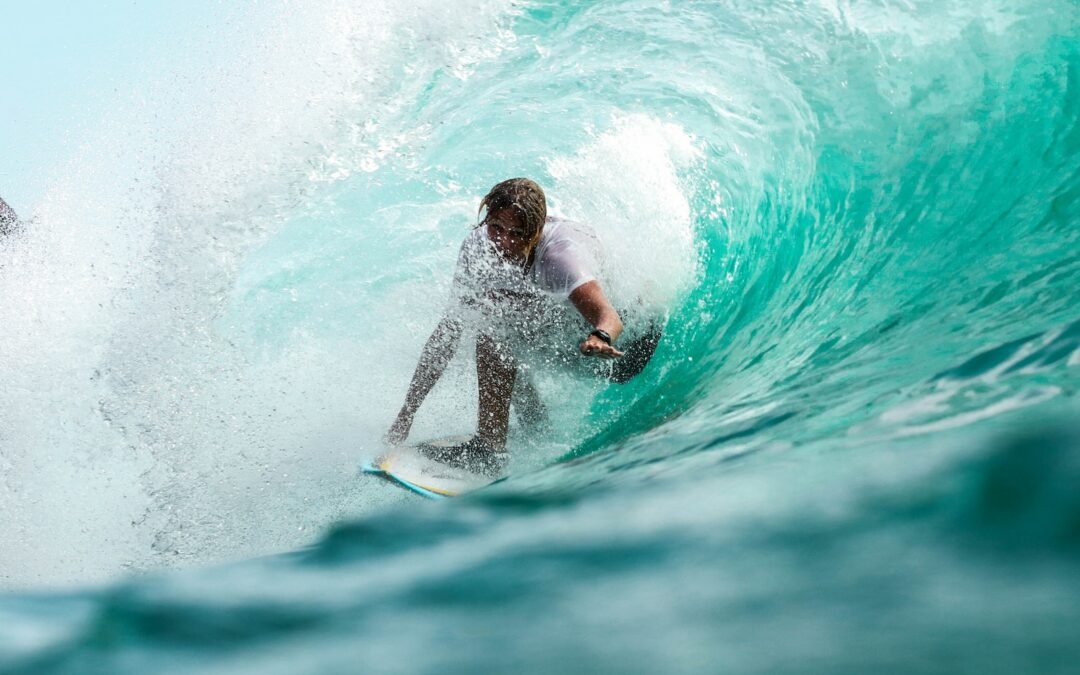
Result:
pixel 567 256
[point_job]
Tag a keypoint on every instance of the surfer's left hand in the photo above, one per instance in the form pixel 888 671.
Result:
pixel 594 346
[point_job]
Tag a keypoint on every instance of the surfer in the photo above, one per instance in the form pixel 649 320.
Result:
pixel 510 268
pixel 8 219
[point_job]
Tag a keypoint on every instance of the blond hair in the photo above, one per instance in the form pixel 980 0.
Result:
pixel 524 197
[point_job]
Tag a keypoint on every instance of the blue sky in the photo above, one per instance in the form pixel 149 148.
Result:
pixel 64 64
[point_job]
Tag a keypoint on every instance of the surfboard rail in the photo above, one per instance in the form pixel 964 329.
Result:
pixel 407 466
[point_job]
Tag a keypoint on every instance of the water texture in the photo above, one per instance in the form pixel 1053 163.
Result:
pixel 856 450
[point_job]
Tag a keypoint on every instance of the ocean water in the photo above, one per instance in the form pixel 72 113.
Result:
pixel 858 446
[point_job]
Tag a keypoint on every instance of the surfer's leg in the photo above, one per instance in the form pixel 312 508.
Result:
pixel 530 410
pixel 495 373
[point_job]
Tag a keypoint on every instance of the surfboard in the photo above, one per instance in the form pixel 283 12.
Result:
pixel 407 466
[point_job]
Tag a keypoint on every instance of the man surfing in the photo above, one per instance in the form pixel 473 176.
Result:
pixel 513 272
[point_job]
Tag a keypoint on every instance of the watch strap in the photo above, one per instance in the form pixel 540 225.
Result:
pixel 602 334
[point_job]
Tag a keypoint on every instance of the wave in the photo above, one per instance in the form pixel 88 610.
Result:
pixel 858 221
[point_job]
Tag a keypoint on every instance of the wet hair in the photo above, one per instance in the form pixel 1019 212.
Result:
pixel 524 197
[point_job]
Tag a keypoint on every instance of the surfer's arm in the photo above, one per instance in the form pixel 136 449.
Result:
pixel 438 351
pixel 589 299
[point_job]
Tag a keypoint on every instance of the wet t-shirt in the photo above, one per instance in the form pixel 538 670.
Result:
pixel 567 256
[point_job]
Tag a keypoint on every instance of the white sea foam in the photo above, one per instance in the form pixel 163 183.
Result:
pixel 133 433
pixel 626 183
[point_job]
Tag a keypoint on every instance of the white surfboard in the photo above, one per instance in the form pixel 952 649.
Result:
pixel 409 467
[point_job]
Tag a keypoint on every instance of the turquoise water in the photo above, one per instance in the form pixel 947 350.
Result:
pixel 857 449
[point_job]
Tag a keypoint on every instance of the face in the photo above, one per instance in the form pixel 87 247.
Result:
pixel 507 231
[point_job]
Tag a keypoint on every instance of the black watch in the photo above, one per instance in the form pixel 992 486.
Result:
pixel 603 335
